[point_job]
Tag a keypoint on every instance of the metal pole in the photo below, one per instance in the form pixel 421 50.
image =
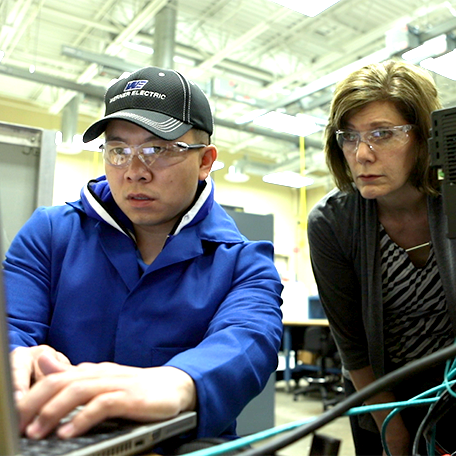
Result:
pixel 164 36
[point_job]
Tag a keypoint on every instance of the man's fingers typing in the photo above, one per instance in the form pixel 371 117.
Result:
pixel 22 371
pixel 50 363
pixel 106 390
pixel 30 364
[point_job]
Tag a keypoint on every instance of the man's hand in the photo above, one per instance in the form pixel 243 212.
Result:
pixel 30 364
pixel 106 390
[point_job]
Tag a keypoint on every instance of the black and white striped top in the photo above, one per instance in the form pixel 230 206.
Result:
pixel 416 320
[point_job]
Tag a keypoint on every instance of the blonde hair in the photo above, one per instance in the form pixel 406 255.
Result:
pixel 414 94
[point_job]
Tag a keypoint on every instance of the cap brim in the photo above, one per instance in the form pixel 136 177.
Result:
pixel 160 125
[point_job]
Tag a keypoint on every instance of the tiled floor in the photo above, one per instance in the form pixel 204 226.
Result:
pixel 288 411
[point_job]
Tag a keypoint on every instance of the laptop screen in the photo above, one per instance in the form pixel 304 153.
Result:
pixel 9 432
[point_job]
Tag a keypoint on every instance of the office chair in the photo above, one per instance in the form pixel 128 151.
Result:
pixel 325 376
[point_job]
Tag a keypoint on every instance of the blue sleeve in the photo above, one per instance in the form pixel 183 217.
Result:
pixel 28 272
pixel 231 290
pixel 239 352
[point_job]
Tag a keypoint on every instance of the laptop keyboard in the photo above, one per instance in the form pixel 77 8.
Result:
pixel 50 446
pixel 54 446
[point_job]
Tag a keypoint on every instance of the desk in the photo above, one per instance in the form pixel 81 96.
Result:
pixel 287 343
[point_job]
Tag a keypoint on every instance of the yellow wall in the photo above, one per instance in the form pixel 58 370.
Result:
pixel 290 238
pixel 72 172
pixel 254 196
pixel 18 112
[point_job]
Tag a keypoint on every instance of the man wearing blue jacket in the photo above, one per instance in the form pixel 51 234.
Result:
pixel 142 299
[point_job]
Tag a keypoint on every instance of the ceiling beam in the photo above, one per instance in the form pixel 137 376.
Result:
pixel 241 41
pixel 115 46
pixel 445 27
pixel 98 92
pixel 16 24
pixel 335 76
pixel 45 78
pixel 268 133
pixel 183 50
pixel 107 61
pixel 332 78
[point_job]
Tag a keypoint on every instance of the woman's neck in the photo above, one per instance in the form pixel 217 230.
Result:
pixel 408 204
pixel 406 222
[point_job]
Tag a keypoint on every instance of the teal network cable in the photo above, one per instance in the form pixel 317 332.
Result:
pixel 418 400
pixel 263 435
pixel 450 372
pixel 248 440
pixel 301 428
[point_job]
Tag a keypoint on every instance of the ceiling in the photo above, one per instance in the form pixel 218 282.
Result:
pixel 245 54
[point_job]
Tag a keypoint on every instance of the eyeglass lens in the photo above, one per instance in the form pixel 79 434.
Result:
pixel 120 154
pixel 379 139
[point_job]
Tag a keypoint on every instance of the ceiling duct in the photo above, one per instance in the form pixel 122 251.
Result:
pixel 41 78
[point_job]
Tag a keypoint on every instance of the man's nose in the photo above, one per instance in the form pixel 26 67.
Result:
pixel 137 169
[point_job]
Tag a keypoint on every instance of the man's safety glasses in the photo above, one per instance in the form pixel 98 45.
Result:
pixel 160 153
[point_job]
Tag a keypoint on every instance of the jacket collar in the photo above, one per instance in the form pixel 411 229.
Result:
pixel 97 202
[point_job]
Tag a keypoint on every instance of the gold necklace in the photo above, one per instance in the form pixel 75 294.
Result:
pixel 418 246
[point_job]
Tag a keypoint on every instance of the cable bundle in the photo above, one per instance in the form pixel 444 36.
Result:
pixel 442 396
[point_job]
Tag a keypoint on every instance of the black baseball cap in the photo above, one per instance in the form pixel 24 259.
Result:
pixel 161 101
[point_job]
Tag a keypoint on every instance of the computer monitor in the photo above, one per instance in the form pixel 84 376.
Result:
pixel 315 308
pixel 442 148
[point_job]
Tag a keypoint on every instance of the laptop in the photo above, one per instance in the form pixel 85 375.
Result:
pixel 113 437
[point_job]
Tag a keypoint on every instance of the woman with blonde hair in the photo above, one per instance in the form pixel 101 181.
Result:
pixel 382 261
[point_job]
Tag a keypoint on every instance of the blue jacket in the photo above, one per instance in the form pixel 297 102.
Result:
pixel 209 304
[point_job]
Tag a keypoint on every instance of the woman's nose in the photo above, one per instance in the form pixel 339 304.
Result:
pixel 365 152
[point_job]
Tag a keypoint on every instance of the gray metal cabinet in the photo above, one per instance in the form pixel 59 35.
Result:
pixel 27 165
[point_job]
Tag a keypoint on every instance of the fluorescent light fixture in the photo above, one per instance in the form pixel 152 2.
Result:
pixel 299 125
pixel 309 8
pixel 236 175
pixel 450 8
pixel 92 146
pixel 139 47
pixel 288 179
pixel 430 48
pixel 321 83
pixel 217 165
pixel 444 65
pixel 250 116
pixel 75 147
pixel 150 50
pixel 58 138
pixel 183 60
